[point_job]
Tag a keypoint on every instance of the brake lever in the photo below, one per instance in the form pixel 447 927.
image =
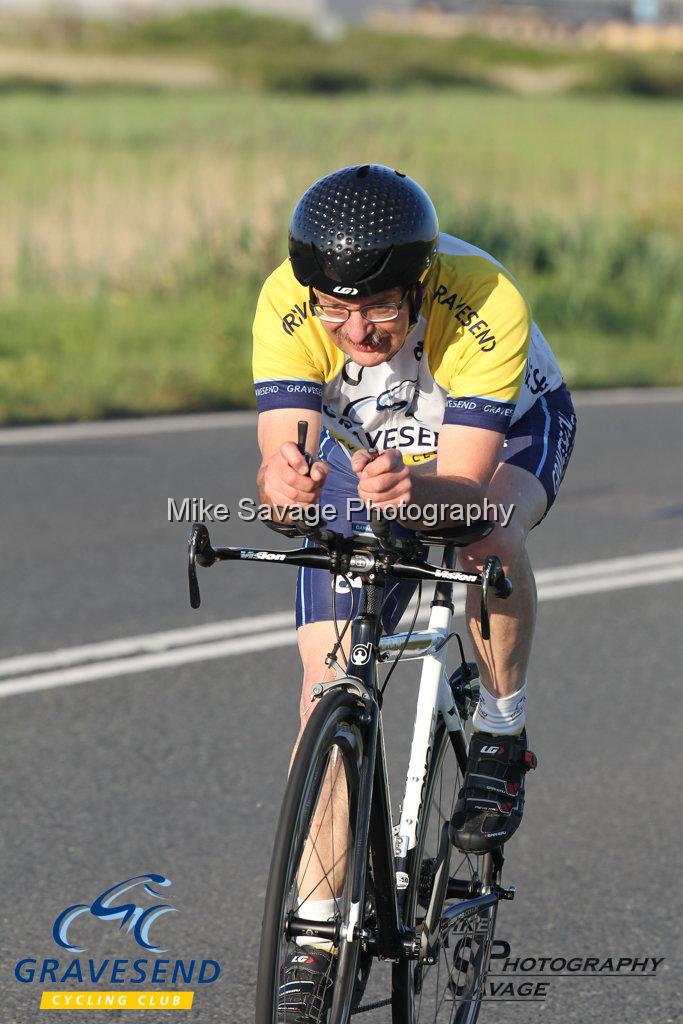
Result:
pixel 492 576
pixel 302 431
pixel 199 551
pixel 380 526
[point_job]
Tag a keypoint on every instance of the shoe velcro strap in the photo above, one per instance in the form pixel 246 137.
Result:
pixel 490 784
pixel 297 987
pixel 475 803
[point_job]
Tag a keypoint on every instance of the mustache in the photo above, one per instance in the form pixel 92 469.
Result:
pixel 376 338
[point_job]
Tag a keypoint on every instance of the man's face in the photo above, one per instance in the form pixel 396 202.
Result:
pixel 368 344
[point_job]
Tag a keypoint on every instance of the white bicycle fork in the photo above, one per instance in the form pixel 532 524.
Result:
pixel 434 697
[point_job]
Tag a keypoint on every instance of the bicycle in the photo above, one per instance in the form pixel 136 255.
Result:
pixel 395 897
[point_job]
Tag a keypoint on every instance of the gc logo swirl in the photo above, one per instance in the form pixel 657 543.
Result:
pixel 103 907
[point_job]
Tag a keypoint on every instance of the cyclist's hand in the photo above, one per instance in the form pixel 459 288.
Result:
pixel 382 479
pixel 287 481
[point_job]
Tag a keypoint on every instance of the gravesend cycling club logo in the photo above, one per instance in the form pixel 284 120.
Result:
pixel 137 907
pixel 103 907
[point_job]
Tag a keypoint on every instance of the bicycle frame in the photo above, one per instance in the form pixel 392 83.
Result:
pixel 390 876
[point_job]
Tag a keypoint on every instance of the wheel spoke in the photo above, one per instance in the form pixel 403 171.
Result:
pixel 450 990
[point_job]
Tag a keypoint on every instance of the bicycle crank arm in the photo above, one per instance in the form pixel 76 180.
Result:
pixel 461 911
pixel 431 934
pixel 462 888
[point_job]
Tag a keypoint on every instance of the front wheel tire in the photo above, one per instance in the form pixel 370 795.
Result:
pixel 314 857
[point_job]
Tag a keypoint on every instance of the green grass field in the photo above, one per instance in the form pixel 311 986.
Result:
pixel 138 225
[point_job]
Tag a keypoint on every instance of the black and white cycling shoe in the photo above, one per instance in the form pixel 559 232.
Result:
pixel 491 801
pixel 306 980
pixel 305 993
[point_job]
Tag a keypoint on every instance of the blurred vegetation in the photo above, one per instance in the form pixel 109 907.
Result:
pixel 266 53
pixel 138 224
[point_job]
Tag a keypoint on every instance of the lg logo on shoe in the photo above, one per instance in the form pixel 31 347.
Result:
pixel 492 750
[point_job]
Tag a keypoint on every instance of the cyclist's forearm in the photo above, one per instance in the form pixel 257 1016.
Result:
pixel 444 499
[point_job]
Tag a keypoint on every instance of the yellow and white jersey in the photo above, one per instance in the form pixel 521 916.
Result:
pixel 475 357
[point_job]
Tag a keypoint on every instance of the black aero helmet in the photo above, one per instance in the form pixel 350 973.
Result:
pixel 361 230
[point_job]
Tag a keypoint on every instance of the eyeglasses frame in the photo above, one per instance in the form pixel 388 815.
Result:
pixel 313 303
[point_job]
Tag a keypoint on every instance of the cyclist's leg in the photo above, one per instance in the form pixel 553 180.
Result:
pixel 504 659
pixel 491 803
pixel 315 639
pixel 535 457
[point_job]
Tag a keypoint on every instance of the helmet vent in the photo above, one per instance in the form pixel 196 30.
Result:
pixel 367 227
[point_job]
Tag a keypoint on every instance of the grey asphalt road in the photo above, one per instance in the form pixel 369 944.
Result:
pixel 181 770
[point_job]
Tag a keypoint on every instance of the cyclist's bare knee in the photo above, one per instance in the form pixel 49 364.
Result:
pixel 316 640
pixel 508 543
pixel 513 487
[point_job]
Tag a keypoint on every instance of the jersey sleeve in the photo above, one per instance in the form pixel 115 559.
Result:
pixel 286 375
pixel 484 368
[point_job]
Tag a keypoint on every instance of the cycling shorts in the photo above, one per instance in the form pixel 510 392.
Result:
pixel 540 442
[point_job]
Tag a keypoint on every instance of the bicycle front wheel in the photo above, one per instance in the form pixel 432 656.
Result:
pixel 450 990
pixel 313 860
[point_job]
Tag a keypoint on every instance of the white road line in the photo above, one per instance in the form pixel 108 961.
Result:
pixel 622 581
pixel 147 644
pixel 44 434
pixel 146 662
pixel 218 640
pixel 611 565
pixel 155 643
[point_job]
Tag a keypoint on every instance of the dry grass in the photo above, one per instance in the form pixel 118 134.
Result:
pixel 121 191
pixel 137 228
pixel 77 70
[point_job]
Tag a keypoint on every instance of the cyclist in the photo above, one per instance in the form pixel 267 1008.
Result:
pixel 390 338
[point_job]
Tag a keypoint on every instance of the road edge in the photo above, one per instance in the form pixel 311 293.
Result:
pixel 184 422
